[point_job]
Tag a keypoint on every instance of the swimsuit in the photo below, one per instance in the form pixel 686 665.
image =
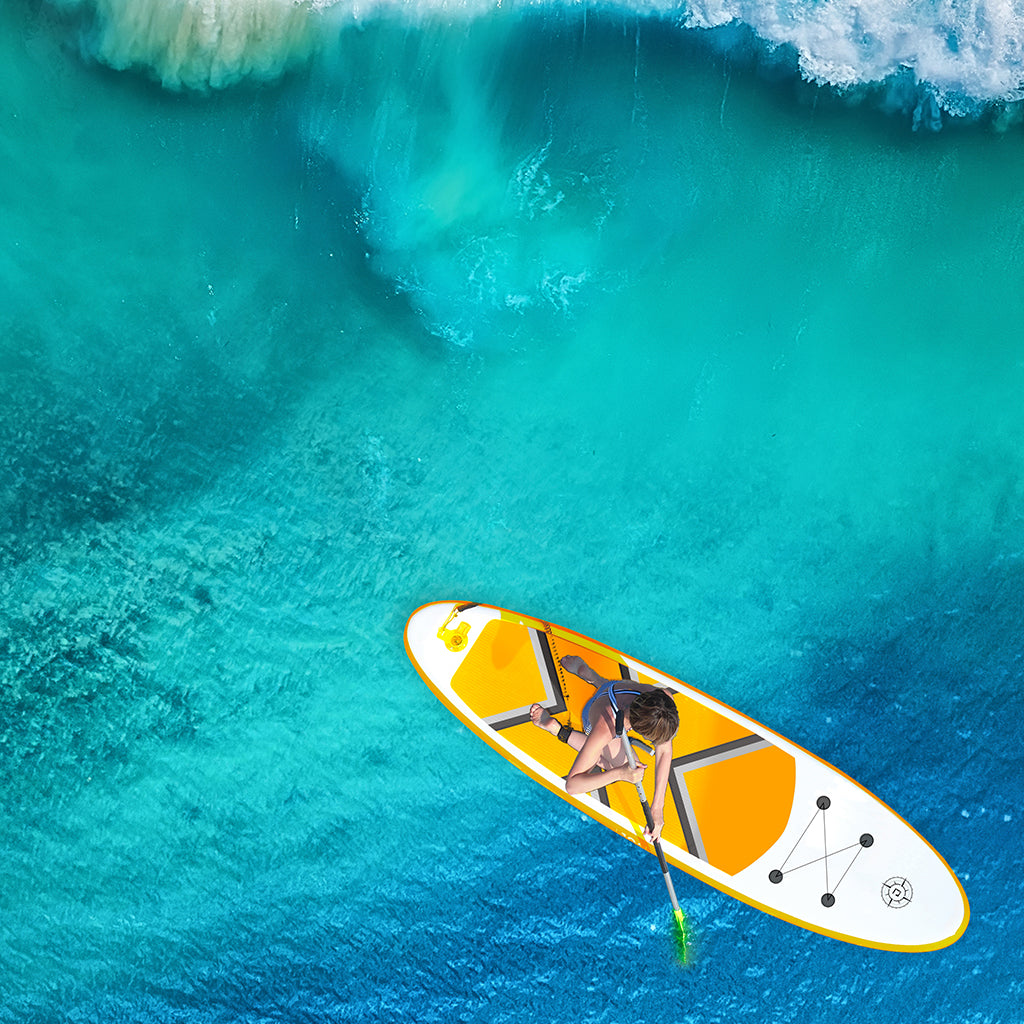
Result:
pixel 609 689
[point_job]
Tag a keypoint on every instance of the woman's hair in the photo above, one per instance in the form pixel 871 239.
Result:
pixel 654 715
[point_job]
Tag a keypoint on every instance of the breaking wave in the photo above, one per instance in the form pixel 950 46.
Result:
pixel 925 55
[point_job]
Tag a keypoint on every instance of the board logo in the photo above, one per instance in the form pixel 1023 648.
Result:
pixel 897 892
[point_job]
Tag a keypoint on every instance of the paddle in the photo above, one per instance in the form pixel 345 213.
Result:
pixel 676 911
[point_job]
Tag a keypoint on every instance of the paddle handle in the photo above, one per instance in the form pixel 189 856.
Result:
pixel 650 825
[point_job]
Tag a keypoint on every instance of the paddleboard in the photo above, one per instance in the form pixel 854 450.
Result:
pixel 748 812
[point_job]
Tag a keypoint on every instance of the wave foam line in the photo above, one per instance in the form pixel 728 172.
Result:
pixel 965 55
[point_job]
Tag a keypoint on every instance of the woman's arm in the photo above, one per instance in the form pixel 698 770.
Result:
pixel 582 778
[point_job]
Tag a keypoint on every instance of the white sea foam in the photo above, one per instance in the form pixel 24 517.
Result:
pixel 964 54
pixel 967 53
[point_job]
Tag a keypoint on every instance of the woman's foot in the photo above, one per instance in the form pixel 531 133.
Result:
pixel 543 720
pixel 578 667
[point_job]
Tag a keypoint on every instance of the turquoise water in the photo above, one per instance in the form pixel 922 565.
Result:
pixel 572 311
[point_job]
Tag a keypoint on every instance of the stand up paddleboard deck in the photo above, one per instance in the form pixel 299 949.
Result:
pixel 747 811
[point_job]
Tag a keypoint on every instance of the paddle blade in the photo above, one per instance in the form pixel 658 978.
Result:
pixel 681 934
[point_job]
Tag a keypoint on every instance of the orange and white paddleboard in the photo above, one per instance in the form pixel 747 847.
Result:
pixel 748 811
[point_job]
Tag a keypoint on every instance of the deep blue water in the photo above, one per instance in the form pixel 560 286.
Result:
pixel 311 317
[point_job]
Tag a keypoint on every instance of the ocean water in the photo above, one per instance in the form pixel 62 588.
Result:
pixel 701 340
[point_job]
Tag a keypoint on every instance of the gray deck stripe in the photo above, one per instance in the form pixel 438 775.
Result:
pixel 700 759
pixel 553 701
pixel 687 817
pixel 714 755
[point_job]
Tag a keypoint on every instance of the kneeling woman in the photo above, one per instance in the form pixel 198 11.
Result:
pixel 601 758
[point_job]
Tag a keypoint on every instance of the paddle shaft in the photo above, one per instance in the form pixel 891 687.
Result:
pixel 650 824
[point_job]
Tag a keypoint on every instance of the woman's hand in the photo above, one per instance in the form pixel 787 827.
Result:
pixel 659 824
